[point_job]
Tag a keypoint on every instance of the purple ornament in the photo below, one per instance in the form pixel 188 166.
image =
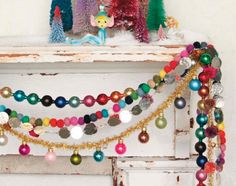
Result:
pixel 190 48
pixel 81 121
pixel 24 149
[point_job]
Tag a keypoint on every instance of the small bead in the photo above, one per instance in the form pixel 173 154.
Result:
pixel 60 123
pixel 53 122
pixel 145 87
pixel 93 117
pixel 2 108
pixel 81 121
pixel 60 102
pixel 151 83
pixel 25 119
pixel 13 114
pixel 197 45
pixel 8 111
pixel 38 122
pixel 140 92
pixel 122 104
pixel 190 48
pixel 46 122
pixel 157 79
pixel 128 100
pixel 134 96
pixel 20 116
pixel 184 53
pixel 162 74
pixel 67 121
pixel 116 108
pixel 167 68
pixel 105 113
pixel 87 119
pixel 99 114
pixel 173 64
pixel 73 121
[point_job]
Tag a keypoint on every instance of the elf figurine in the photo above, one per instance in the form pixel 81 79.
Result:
pixel 102 21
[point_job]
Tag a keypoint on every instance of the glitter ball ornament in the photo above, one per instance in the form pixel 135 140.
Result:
pixel 161 122
pixel 4 117
pixel 217 88
pixel 219 101
pixel 120 147
pixel 50 157
pixel 75 158
pixel 24 149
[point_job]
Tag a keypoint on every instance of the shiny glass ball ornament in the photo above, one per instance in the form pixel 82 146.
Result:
pixel 180 102
pixel 125 116
pixel 74 102
pixel 200 133
pixel 217 88
pixel 6 92
pixel 203 91
pixel 4 118
pixel 202 119
pixel 89 101
pixel 143 137
pixel 115 96
pixel 205 59
pixel 216 62
pixel 219 101
pixel 120 148
pixel 19 95
pixel 76 133
pixel 201 160
pixel 102 99
pixel 128 91
pixel 75 158
pixel 24 149
pixel 186 62
pixel 201 175
pixel 161 122
pixel 50 156
pixel 169 79
pixel 200 147
pixel 98 156
pixel 3 139
pixel 145 87
pixel 47 100
pixel 195 84
pixel 203 77
pixel 33 99
pixel 60 102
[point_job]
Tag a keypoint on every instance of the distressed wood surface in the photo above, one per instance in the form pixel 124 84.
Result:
pixel 15 164
pixel 88 54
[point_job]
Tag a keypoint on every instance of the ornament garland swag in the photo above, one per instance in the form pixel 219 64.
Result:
pixel 209 116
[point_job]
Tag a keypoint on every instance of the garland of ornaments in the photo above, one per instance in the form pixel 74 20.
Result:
pixel 209 88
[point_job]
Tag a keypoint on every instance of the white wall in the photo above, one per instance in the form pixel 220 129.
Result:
pixel 215 18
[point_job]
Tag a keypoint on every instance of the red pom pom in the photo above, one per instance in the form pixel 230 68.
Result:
pixel 167 68
pixel 173 64
pixel 222 140
pixel 99 114
pixel 57 12
pixel 209 167
pixel 221 133
pixel 53 122
pixel 60 123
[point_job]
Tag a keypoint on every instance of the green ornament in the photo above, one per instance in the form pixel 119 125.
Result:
pixel 161 122
pixel 13 114
pixel 200 133
pixel 145 87
pixel 75 159
pixel 134 96
pixel 157 79
pixel 33 98
pixel 38 122
pixel 206 59
pixel 25 119
pixel 74 101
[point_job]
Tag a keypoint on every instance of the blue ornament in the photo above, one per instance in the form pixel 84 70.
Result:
pixel 122 104
pixel 98 156
pixel 201 161
pixel 60 102
pixel 105 113
pixel 19 95
pixel 202 119
pixel 194 84
pixel 2 108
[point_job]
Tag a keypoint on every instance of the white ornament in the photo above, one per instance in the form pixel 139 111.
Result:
pixel 186 61
pixel 4 118
pixel 125 116
pixel 219 101
pixel 76 133
pixel 217 88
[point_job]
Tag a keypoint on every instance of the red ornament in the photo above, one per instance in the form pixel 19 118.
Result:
pixel 201 184
pixel 143 137
pixel 53 122
pixel 116 96
pixel 210 72
pixel 173 64
pixel 60 123
pixel 221 133
pixel 102 99
pixel 203 77
pixel 210 167
pixel 32 133
pixel 167 68
pixel 99 114
pixel 203 91
pixel 222 140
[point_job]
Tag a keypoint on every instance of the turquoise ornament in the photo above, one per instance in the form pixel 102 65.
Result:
pixel 206 59
pixel 105 113
pixel 202 119
pixel 195 84
pixel 98 155
pixel 2 108
pixel 122 104
pixel 19 95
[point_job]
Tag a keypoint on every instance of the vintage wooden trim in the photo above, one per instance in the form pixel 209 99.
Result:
pixel 15 164
pixel 47 54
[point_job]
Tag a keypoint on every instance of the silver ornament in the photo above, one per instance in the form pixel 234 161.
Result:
pixel 169 79
pixel 186 61
pixel 216 62
pixel 217 88
pixel 145 102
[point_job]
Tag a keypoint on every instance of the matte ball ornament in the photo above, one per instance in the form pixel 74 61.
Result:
pixel 205 59
pixel 194 84
pixel 98 156
pixel 128 91
pixel 50 156
pixel 76 133
pixel 89 101
pixel 33 99
pixel 161 122
pixel 200 133
pixel 201 175
pixel 102 99
pixel 24 149
pixel 203 91
pixel 116 96
pixel 74 102
pixel 143 137
pixel 145 87
pixel 203 77
pixel 19 95
pixel 120 147
pixel 47 101
pixel 125 116
pixel 75 158
pixel 200 147
pixel 180 102
pixel 60 102
pixel 201 160
pixel 128 100
pixel 4 118
pixel 202 119
pixel 3 138
pixel 6 92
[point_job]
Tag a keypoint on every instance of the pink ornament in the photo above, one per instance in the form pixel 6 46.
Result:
pixel 116 108
pixel 89 101
pixel 120 148
pixel 67 121
pixel 24 149
pixel 81 121
pixel 177 58
pixel 201 175
pixel 223 148
pixel 73 121
pixel 50 157
pixel 184 53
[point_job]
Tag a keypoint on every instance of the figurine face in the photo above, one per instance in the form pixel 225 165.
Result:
pixel 102 21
